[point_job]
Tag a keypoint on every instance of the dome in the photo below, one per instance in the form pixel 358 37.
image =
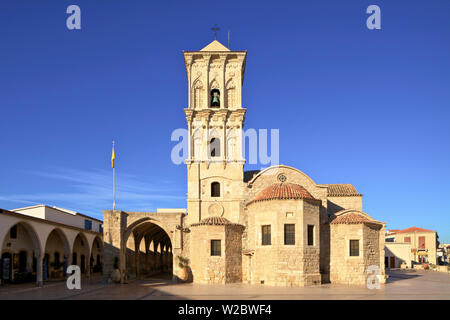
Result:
pixel 283 191
pixel 352 217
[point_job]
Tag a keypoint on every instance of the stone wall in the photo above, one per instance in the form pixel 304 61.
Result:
pixel 233 253
pixel 113 227
pixel 293 175
pixel 336 204
pixel 351 270
pixel 227 267
pixel 373 250
pixel 204 267
pixel 278 264
pixel 118 228
pixel 201 204
pixel 345 269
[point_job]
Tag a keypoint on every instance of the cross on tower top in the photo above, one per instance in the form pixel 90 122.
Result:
pixel 215 29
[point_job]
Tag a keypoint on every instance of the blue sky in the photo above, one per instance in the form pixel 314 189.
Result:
pixel 367 107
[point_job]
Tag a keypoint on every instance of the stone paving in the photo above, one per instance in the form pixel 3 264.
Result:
pixel 412 284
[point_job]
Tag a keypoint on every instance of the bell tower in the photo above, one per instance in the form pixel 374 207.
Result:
pixel 215 118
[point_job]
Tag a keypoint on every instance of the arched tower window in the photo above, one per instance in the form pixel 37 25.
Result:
pixel 197 148
pixel 215 189
pixel 231 142
pixel 215 98
pixel 197 144
pixel 231 94
pixel 198 93
pixel 214 147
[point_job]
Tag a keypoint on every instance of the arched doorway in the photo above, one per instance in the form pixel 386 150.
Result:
pixel 148 251
pixel 80 253
pixel 56 257
pixel 19 250
pixel 96 261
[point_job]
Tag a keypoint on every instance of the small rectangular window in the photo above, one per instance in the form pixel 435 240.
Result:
pixel 13 232
pixel 289 234
pixel 266 236
pixel 215 248
pixel 88 224
pixel 310 235
pixel 421 242
pixel 407 239
pixel 215 189
pixel 354 248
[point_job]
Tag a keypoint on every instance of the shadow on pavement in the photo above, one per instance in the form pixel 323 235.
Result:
pixel 398 275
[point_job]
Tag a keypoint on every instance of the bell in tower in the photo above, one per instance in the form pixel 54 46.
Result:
pixel 215 98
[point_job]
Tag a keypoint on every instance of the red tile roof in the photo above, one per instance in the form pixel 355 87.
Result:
pixel 352 217
pixel 412 229
pixel 213 221
pixel 283 191
pixel 342 190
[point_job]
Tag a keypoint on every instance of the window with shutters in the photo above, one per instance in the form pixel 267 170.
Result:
pixel 266 235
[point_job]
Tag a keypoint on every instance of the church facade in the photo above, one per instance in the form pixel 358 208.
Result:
pixel 275 227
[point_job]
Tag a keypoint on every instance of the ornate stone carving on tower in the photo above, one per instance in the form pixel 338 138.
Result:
pixel 215 118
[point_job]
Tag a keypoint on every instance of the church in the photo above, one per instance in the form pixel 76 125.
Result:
pixel 274 227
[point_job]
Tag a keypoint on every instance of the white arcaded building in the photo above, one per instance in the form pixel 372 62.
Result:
pixel 39 242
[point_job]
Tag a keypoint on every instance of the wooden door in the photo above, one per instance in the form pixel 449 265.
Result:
pixel 392 262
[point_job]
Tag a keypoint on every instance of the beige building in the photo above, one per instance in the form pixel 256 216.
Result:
pixel 397 255
pixel 423 242
pixel 275 227
pixel 39 242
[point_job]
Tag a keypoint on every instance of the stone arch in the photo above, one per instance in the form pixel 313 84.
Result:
pixel 119 225
pixel 231 94
pixel 151 245
pixel 215 189
pixel 26 241
pixel 214 133
pixel 57 253
pixel 81 252
pixel 215 94
pixel 150 261
pixel 197 94
pixel 31 232
pixel 214 147
pixel 96 259
pixel 214 144
pixel 141 221
pixel 214 84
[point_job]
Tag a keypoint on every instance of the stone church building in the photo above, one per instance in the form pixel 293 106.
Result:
pixel 274 227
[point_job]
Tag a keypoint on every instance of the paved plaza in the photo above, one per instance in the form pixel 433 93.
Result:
pixel 412 284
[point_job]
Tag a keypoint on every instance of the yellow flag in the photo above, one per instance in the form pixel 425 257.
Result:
pixel 113 157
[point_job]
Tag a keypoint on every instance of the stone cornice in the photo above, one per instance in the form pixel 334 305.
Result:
pixel 192 113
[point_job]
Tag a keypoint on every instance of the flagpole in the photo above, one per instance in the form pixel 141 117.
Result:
pixel 114 184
